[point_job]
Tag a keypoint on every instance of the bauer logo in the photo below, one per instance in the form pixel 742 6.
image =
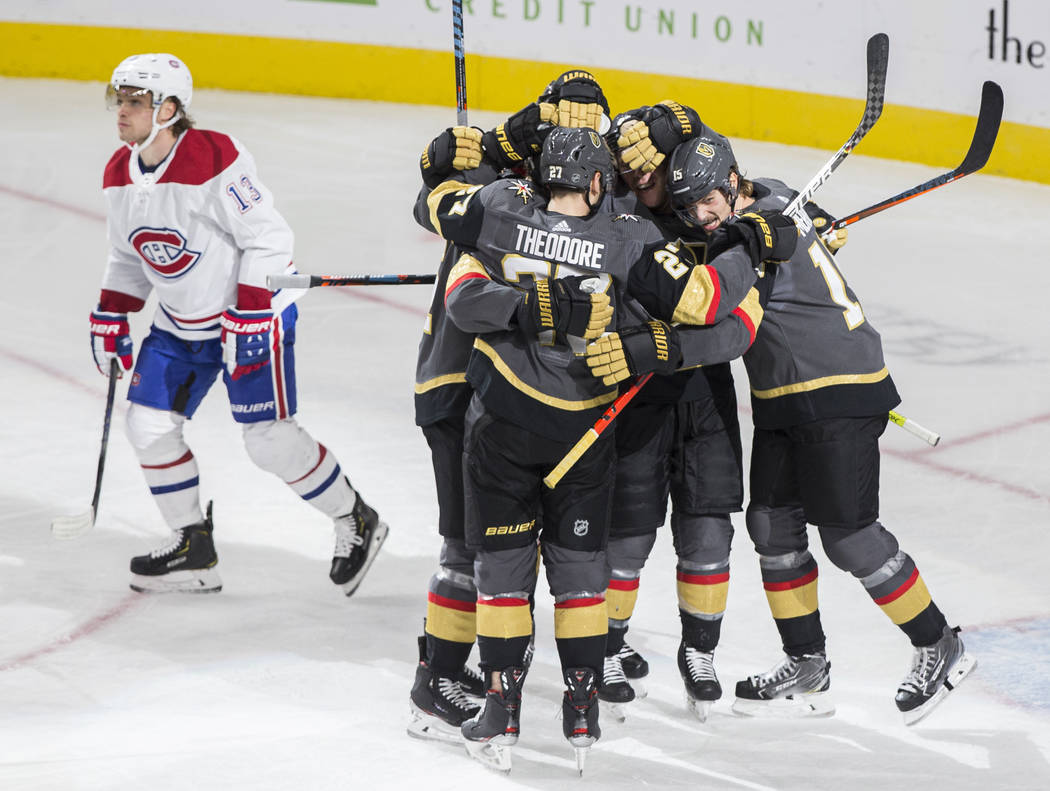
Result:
pixel 164 251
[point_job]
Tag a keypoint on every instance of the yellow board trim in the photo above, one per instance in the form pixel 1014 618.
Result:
pixel 824 381
pixel 417 76
pixel 532 392
pixel 793 603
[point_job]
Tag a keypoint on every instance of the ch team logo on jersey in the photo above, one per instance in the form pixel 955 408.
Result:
pixel 164 251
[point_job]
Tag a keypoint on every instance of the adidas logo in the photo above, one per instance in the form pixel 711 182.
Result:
pixel 562 227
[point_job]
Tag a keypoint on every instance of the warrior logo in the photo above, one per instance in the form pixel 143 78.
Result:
pixel 164 251
pixel 581 527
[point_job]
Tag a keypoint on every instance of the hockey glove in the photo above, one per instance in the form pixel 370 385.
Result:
pixel 767 235
pixel 245 340
pixel 457 148
pixel 517 138
pixel 650 134
pixel 111 338
pixel 635 350
pixel 565 306
pixel 838 237
pixel 575 99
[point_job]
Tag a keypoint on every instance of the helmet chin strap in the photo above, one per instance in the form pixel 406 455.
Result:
pixel 137 148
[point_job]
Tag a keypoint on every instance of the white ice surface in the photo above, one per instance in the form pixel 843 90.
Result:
pixel 280 682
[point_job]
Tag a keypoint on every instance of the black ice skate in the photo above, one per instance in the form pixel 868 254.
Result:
pixel 579 711
pixel 614 689
pixel 438 705
pixel 491 733
pixel 634 664
pixel 935 671
pixel 471 682
pixel 358 537
pixel 701 684
pixel 187 563
pixel 796 687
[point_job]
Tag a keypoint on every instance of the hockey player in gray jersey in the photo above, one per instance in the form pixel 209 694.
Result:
pixel 820 394
pixel 437 700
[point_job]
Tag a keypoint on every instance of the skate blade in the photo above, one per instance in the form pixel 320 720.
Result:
pixel 66 528
pixel 640 689
pixel 581 757
pixel 378 537
pixel 495 756
pixel 422 725
pixel 190 581
pixel 699 708
pixel 812 704
pixel 962 668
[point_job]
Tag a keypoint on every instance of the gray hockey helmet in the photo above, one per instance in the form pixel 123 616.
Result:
pixel 571 157
pixel 698 166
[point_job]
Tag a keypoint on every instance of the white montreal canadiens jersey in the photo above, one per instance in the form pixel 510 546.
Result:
pixel 192 230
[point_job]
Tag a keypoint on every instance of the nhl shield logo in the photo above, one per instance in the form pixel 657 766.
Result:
pixel 164 251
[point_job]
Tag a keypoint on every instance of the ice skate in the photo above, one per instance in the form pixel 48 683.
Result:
pixel 935 671
pixel 471 682
pixel 614 689
pixel 579 712
pixel 796 687
pixel 491 733
pixel 437 705
pixel 701 684
pixel 634 664
pixel 186 564
pixel 358 537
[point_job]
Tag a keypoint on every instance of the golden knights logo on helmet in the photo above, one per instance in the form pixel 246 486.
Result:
pixel 705 149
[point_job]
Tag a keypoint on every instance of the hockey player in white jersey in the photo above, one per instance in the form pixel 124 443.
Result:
pixel 189 219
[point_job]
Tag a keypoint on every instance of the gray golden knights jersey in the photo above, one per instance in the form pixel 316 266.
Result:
pixel 510 238
pixel 815 355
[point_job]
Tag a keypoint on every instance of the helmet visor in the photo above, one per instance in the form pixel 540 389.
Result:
pixel 114 94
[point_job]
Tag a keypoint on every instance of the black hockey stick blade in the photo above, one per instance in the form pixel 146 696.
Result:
pixel 878 60
pixel 68 527
pixel 988 119
pixel 275 282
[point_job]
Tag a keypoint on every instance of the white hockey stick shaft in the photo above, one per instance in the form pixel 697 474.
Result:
pixel 923 433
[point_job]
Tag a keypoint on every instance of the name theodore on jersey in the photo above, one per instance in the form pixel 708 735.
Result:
pixel 550 246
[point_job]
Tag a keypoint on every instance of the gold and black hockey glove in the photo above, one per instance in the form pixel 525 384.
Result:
pixel 835 240
pixel 767 235
pixel 635 350
pixel 566 307
pixel 649 134
pixel 575 99
pixel 516 139
pixel 457 148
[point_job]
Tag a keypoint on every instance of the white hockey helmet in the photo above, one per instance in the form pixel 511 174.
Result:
pixel 160 73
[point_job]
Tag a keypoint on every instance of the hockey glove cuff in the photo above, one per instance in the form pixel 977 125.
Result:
pixel 245 340
pixel 111 338
pixel 635 350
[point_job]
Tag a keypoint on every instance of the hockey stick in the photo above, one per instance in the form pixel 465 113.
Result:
pixel 274 282
pixel 594 432
pixel 931 437
pixel 984 135
pixel 878 59
pixel 461 63
pixel 66 527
